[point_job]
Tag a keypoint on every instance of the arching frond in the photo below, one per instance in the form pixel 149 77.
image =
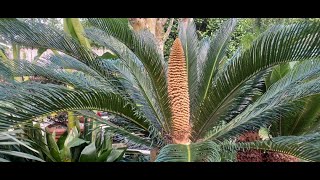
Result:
pixel 300 122
pixel 196 152
pixel 279 100
pixel 37 99
pixel 138 92
pixel 190 44
pixel 5 72
pixel 305 147
pixel 7 141
pixel 41 36
pixel 216 52
pixel 143 45
pixel 76 79
pixel 153 141
pixel 279 44
pixel 134 72
pixel 68 62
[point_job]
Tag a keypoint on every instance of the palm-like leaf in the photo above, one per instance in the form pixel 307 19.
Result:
pixel 5 72
pixel 41 36
pixel 76 79
pixel 190 44
pixel 27 36
pixel 223 93
pixel 132 69
pixel 277 73
pixel 300 122
pixel 304 147
pixel 280 97
pixel 309 119
pixel 279 44
pixel 68 62
pixel 7 140
pixel 51 98
pixel 143 46
pixel 216 53
pixel 196 152
pixel 122 131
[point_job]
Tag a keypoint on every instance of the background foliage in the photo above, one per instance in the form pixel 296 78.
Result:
pixel 246 30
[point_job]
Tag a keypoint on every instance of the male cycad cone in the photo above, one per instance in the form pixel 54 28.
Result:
pixel 179 94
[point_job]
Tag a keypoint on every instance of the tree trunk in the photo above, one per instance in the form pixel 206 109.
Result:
pixel 258 23
pixel 155 26
pixel 153 154
pixel 16 56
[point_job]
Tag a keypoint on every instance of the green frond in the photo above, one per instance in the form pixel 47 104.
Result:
pixel 237 103
pixel 300 122
pixel 68 62
pixel 278 45
pixel 76 79
pixel 195 152
pixel 134 73
pixel 75 29
pixel 120 130
pixel 143 45
pixel 203 50
pixel 190 43
pixel 277 73
pixel 251 90
pixel 139 88
pixel 5 72
pixel 3 54
pixel 279 101
pixel 215 54
pixel 21 103
pixel 304 147
pixel 33 134
pixel 7 141
pixel 41 36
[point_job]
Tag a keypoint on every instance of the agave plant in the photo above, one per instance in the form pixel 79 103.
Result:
pixel 71 148
pixel 192 107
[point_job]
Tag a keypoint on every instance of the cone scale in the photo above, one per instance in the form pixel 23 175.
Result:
pixel 179 94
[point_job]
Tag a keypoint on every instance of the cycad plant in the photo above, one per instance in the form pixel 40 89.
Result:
pixel 14 148
pixel 301 122
pixel 304 121
pixel 192 106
